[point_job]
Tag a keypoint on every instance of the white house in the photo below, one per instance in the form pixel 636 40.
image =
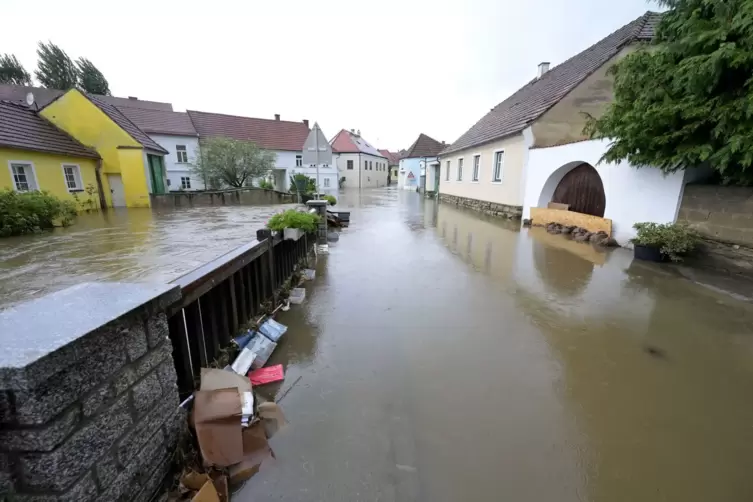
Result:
pixel 284 138
pixel 530 149
pixel 360 164
pixel 318 151
pixel 419 166
pixel 174 132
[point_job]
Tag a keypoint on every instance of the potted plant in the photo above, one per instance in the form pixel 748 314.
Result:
pixel 661 242
pixel 331 199
pixel 293 223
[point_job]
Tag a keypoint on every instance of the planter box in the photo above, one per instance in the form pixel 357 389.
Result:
pixel 263 233
pixel 343 215
pixel 293 234
pixel 649 253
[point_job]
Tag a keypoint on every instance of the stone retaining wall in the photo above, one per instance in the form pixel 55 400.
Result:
pixel 491 208
pixel 722 213
pixel 246 196
pixel 89 402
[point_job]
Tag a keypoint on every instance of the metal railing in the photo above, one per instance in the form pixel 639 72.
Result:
pixel 222 296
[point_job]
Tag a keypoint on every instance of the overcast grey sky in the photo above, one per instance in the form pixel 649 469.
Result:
pixel 391 68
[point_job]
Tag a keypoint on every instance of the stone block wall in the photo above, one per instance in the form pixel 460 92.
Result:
pixel 490 208
pixel 244 196
pixel 89 401
pixel 722 213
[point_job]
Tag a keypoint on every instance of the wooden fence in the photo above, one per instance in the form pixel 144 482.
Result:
pixel 225 294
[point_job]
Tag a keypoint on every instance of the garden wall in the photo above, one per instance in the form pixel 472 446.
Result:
pixel 723 213
pixel 246 196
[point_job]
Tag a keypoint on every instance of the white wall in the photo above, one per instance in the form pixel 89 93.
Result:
pixel 360 176
pixel 173 168
pixel 632 195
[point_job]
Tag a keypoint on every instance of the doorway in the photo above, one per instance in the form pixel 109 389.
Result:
pixel 157 172
pixel 582 190
pixel 117 192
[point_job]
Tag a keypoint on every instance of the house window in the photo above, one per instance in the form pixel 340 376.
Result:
pixel 299 161
pixel 371 165
pixel 460 169
pixel 185 182
pixel 72 174
pixel 326 182
pixel 23 176
pixel 476 167
pixel 447 174
pixel 350 164
pixel 180 150
pixel 499 159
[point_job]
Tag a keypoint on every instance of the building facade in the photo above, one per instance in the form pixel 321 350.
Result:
pixel 359 164
pixel 417 168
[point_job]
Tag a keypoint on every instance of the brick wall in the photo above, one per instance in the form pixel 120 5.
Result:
pixel 722 213
pixel 89 402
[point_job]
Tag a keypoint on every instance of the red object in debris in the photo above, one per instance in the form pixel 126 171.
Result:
pixel 267 375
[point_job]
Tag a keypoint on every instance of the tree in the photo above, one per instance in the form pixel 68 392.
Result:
pixel 686 99
pixel 55 70
pixel 90 79
pixel 232 162
pixel 12 71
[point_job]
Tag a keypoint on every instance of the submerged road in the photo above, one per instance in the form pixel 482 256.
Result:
pixel 444 356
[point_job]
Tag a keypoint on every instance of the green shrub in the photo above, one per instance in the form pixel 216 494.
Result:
pixel 266 184
pixel 293 219
pixel 331 199
pixel 30 212
pixel 672 239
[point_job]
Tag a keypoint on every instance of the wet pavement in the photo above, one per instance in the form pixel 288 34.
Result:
pixel 444 356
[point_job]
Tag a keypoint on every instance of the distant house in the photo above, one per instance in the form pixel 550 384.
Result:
pixel 174 132
pixel 358 163
pixel 530 149
pixel 132 162
pixel 420 164
pixel 318 151
pixel 393 164
pixel 36 155
pixel 282 137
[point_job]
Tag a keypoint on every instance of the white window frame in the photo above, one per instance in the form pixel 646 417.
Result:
pixel 299 160
pixel 182 159
pixel 501 168
pixel 326 182
pixel 460 162
pixel 182 184
pixel 25 163
pixel 476 174
pixel 447 176
pixel 77 177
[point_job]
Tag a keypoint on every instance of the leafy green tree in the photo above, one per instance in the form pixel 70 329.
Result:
pixel 686 99
pixel 12 71
pixel 232 162
pixel 55 70
pixel 90 79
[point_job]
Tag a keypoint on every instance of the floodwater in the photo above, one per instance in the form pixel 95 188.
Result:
pixel 124 245
pixel 443 356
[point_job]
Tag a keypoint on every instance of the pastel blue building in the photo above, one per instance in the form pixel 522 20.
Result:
pixel 423 155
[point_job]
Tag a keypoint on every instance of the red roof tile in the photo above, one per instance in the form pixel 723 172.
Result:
pixel 349 142
pixel 160 121
pixel 424 146
pixel 392 157
pixel 267 134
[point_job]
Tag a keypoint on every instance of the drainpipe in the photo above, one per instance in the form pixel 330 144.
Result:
pixel 360 173
pixel 100 188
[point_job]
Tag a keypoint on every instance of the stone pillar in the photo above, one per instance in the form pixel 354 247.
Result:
pixel 321 209
pixel 88 395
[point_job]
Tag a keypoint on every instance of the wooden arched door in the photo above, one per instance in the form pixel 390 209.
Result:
pixel 583 190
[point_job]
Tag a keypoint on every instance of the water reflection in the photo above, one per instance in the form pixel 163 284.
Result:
pixel 124 245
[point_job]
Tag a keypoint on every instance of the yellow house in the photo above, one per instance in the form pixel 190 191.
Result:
pixel 132 163
pixel 36 155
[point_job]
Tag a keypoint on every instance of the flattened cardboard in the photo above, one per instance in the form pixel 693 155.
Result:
pixel 256 451
pixel 217 418
pixel 208 493
pixel 272 417
pixel 194 480
pixel 214 379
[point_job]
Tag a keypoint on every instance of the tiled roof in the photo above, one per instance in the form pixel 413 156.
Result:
pixel 23 128
pixel 160 121
pixel 349 142
pixel 529 103
pixel 125 124
pixel 43 97
pixel 424 146
pixel 267 134
pixel 392 157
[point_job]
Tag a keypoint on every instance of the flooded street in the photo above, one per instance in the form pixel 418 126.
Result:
pixel 443 356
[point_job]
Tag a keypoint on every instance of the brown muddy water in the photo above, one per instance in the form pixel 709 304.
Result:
pixel 443 356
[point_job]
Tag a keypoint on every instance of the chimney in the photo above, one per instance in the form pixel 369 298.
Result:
pixel 133 98
pixel 277 116
pixel 543 68
pixel 306 122
pixel 358 133
pixel 443 143
pixel 352 131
